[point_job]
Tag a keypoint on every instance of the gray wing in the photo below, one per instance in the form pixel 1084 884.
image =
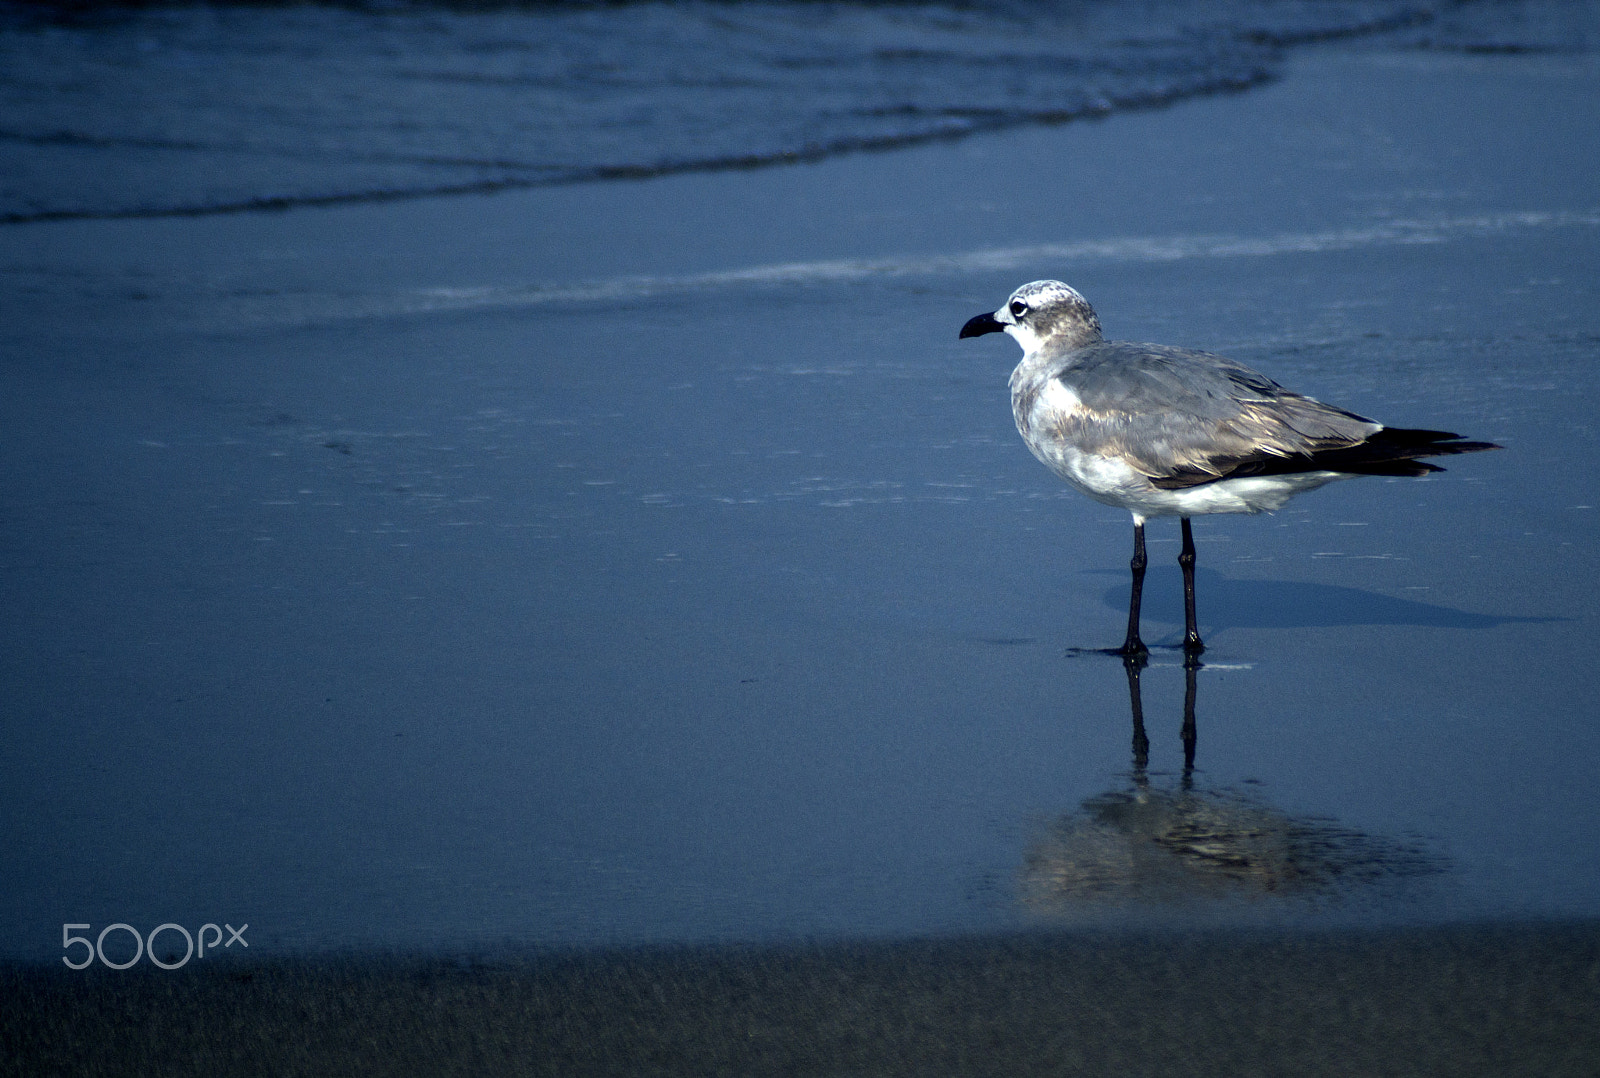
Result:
pixel 1184 418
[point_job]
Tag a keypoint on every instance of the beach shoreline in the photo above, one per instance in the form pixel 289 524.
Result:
pixel 843 612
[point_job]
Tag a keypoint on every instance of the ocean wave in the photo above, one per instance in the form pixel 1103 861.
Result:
pixel 306 309
pixel 114 110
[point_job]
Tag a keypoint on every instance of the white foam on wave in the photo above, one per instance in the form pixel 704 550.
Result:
pixel 1123 249
pixel 1039 258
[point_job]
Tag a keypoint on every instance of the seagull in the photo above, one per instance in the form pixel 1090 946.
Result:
pixel 1162 431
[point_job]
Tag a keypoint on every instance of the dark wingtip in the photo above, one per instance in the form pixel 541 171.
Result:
pixel 1392 451
pixel 1425 443
pixel 983 323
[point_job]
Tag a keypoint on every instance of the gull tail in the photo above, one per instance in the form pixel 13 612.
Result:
pixel 1391 451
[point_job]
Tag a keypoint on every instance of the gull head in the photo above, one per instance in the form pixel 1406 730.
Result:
pixel 1043 314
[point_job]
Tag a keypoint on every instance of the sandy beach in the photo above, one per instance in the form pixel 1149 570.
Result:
pixel 637 588
pixel 1461 1001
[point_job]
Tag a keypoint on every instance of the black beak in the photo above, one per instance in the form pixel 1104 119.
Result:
pixel 984 323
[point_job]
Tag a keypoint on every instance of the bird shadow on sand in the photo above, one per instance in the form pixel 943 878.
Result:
pixel 1229 603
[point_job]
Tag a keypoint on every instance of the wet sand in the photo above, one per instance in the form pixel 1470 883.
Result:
pixel 1458 1001
pixel 422 628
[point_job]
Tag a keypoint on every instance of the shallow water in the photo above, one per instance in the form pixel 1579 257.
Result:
pixel 108 110
pixel 650 562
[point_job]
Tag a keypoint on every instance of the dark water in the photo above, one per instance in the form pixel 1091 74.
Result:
pixel 106 110
pixel 647 561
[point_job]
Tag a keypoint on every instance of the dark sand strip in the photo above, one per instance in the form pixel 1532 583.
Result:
pixel 1453 1001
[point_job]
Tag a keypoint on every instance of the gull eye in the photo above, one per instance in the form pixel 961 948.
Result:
pixel 1018 308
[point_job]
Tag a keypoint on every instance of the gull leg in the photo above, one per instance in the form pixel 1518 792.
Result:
pixel 1133 646
pixel 1191 633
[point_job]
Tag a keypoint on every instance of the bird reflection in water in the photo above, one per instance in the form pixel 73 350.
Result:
pixel 1148 845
